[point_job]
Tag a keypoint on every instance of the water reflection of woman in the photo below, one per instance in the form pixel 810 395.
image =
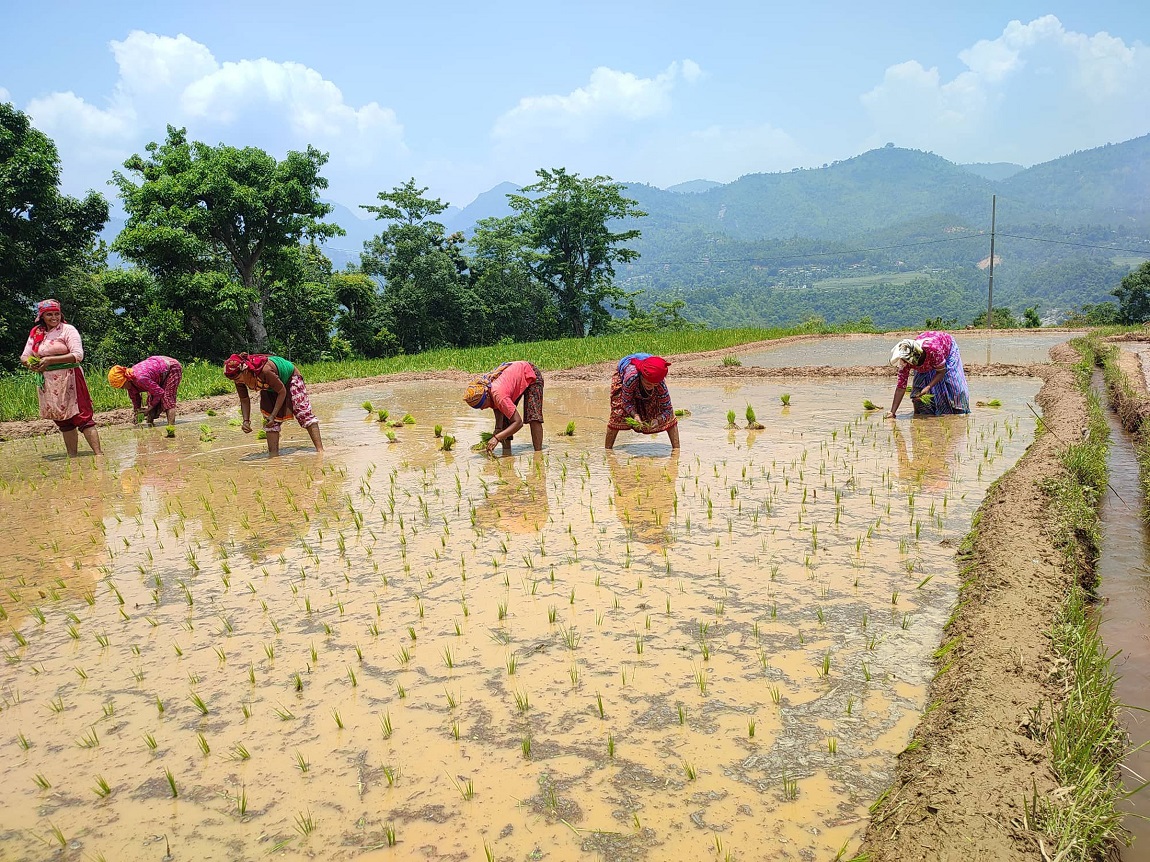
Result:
pixel 645 496
pixel 925 464
pixel 518 502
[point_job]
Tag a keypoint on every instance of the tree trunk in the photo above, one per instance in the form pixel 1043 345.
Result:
pixel 257 332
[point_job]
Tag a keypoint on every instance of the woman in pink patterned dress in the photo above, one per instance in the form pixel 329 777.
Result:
pixel 939 386
pixel 55 351
pixel 159 377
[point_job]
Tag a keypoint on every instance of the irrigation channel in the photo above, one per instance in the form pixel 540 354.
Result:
pixel 629 655
pixel 1124 584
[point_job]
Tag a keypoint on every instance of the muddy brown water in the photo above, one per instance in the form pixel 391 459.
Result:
pixel 557 656
pixel 1124 584
pixel 1010 348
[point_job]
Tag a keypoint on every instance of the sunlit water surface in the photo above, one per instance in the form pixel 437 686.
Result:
pixel 568 656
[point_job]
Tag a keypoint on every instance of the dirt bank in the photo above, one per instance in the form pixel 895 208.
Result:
pixel 964 779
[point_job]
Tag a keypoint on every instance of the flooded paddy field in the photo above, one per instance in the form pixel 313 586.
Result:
pixel 1012 347
pixel 397 652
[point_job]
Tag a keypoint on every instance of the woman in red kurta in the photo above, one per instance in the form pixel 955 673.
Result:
pixel 55 350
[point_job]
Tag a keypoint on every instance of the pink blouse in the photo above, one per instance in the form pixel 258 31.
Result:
pixel 67 335
pixel 936 347
pixel 148 376
pixel 512 383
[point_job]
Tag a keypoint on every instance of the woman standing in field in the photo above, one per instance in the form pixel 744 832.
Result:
pixel 501 390
pixel 939 386
pixel 640 400
pixel 159 377
pixel 283 395
pixel 55 350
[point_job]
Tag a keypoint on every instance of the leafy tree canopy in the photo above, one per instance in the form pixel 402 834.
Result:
pixel 43 234
pixel 201 214
pixel 1133 295
pixel 567 220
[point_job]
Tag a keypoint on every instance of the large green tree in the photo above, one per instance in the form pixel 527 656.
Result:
pixel 221 218
pixel 428 300
pixel 569 220
pixel 1134 296
pixel 44 235
pixel 518 306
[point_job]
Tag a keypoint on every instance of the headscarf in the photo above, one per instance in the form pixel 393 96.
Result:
pixel 238 363
pixel 906 352
pixel 118 375
pixel 39 330
pixel 653 369
pixel 479 389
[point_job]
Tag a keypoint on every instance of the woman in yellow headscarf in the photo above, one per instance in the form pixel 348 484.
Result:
pixel 159 377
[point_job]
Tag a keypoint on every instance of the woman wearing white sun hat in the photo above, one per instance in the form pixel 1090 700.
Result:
pixel 939 385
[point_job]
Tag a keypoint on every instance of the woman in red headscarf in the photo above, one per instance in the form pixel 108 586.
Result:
pixel 640 400
pixel 283 395
pixel 55 351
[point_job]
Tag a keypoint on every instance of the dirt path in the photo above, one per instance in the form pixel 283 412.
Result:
pixel 963 781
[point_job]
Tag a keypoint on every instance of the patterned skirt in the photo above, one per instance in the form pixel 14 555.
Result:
pixel 296 405
pixel 655 410
pixel 951 394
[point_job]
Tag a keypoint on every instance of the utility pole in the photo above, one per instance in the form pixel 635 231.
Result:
pixel 990 287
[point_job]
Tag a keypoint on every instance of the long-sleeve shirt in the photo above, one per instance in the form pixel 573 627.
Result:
pixel 67 335
pixel 148 376
pixel 936 347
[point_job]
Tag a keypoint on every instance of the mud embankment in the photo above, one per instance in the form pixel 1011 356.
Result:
pixel 973 763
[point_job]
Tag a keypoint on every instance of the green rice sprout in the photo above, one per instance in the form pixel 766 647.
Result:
pixel 690 771
pixel 391 438
pixel 832 745
pixel 870 405
pixel 58 835
pixel 170 431
pixel 367 406
pixel 171 782
pixel 22 741
pixel 202 741
pixel 701 680
pixel 448 442
pixel 302 763
pixel 408 419
pixel 304 822
pixel 198 703
pixel 512 664
pixel 206 434
pixel 382 415
pixel 42 782
pixel 731 419
pixel 634 423
pixel 751 728
pixel 525 745
pixel 240 752
pixel 438 430
pixel 786 399
pixel 611 746
pixel 389 835
pixel 681 412
pixel 338 718
pixel 522 702
pixel 599 704
pixel 570 432
pixel 731 361
pixel 385 725
pixel 242 801
pixel 993 402
pixel 750 415
pixel 391 774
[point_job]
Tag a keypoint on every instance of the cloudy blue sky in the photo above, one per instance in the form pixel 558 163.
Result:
pixel 465 95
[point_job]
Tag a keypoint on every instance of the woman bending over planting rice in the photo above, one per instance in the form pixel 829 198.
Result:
pixel 939 386
pixel 640 400
pixel 159 377
pixel 54 350
pixel 501 390
pixel 283 395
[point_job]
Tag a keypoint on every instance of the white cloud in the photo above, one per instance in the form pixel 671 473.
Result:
pixel 5 96
pixel 609 96
pixel 1035 92
pixel 176 80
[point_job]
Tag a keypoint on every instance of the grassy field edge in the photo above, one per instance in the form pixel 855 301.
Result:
pixel 202 379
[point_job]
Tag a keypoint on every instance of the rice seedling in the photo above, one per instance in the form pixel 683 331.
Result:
pixel 525 746
pixel 198 703
pixel 302 763
pixel 389 835
pixel 170 431
pixel 438 430
pixel 448 443
pixel 240 752
pixel 367 406
pixel 701 680
pixel 90 739
pixel 690 771
pixel 171 782
pixel 304 822
pixel 242 801
pixel 832 745
pixel 202 742
pixel 58 835
pixel 391 774
pixel 522 702
pixel 775 694
pixel 448 657
pixel 870 405
pixel 790 788
pixel 682 715
pixel 786 399
pixel 825 665
pixel 382 415
pixel 731 419
pixel 752 424
pixel 284 713
pixel 351 677
pixel 599 704
pixel 408 419
pixel 42 782
pixel 338 718
pixel 391 438
pixel 385 724
pixel 512 664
